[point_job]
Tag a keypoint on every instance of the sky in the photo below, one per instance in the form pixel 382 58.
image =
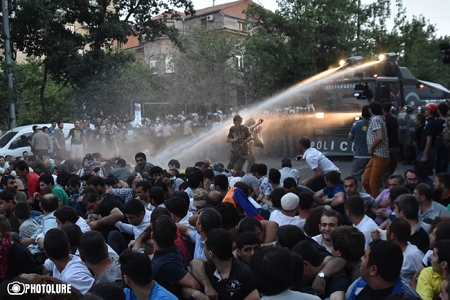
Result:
pixel 436 11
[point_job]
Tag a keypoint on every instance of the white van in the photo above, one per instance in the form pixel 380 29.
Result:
pixel 11 144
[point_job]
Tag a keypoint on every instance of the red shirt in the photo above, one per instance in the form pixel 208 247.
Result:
pixel 33 184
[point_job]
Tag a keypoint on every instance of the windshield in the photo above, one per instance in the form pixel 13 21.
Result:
pixel 6 138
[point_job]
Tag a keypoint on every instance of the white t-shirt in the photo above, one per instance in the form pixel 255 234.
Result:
pixel 321 241
pixel 314 158
pixel 278 217
pixel 412 262
pixel 135 230
pixel 83 225
pixel 75 273
pixel 365 226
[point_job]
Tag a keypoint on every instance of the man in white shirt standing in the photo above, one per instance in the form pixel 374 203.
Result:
pixel 289 209
pixel 354 208
pixel 318 163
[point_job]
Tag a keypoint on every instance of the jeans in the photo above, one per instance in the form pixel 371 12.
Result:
pixel 76 151
pixel 394 155
pixel 372 176
pixel 117 241
pixel 237 159
pixel 358 167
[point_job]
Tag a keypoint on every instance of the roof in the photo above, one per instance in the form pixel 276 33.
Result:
pixel 435 85
pixel 234 9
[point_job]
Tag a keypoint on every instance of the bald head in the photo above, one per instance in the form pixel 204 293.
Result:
pixel 214 197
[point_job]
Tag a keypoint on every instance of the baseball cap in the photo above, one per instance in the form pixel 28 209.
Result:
pixel 289 201
pixel 431 107
pixel 200 197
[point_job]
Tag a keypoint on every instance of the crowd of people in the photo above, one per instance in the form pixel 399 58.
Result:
pixel 114 229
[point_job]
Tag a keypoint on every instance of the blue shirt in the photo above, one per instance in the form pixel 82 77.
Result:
pixel 331 193
pixel 157 293
pixel 199 244
pixel 359 132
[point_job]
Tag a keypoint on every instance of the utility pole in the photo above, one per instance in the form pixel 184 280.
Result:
pixel 5 12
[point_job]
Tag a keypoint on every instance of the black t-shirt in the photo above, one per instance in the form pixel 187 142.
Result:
pixel 433 128
pixel 392 130
pixel 369 294
pixel 20 260
pixel 110 202
pixel 421 240
pixel 237 286
pixel 13 221
pixel 77 136
pixel 335 283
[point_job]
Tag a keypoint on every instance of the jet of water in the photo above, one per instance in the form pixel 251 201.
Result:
pixel 213 144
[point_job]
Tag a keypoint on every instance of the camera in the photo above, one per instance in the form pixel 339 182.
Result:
pixel 16 288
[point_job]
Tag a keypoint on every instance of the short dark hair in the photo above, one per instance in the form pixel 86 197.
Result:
pixel 401 229
pixel 22 210
pixel 134 207
pixel 389 266
pixel 332 213
pixel 121 162
pixel 400 178
pixel 209 174
pixel 442 231
pixel 349 241
pixel 107 290
pixel 397 191
pixel 274 176
pixel 305 142
pixel 175 163
pixel 247 238
pixel 137 266
pixel 155 170
pixel 200 164
pixel 165 232
pixel 140 155
pixel 96 180
pixel 271 270
pixel 7 196
pixel 210 219
pixel 289 235
pixel 47 179
pixel 249 224
pixel 73 181
pixel 195 178
pixel 220 242
pixel 311 227
pixel 74 233
pixel 308 252
pixel 158 212
pixel 333 176
pixel 66 214
pixel 21 165
pixel 261 169
pixel 157 194
pixel 443 109
pixel 146 185
pixel 56 244
pixel 49 202
pixel 351 178
pixel 229 214
pixel 221 181
pixel 365 112
pixel 408 205
pixel 5 226
pixel 355 205
pixel 177 206
pixel 306 201
pixel 286 162
pixel 444 178
pixel 276 195
pixel 386 106
pixel 424 189
pixel 376 108
pixel 5 178
pixel 289 182
pixel 442 247
pixel 92 247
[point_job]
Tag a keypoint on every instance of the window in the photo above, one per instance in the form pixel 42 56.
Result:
pixel 239 60
pixel 170 68
pixel 241 26
pixel 153 64
pixel 203 23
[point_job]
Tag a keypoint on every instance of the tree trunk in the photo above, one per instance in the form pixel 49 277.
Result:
pixel 42 96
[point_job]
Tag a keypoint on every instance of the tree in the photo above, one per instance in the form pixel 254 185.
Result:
pixel 44 29
pixel 206 73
